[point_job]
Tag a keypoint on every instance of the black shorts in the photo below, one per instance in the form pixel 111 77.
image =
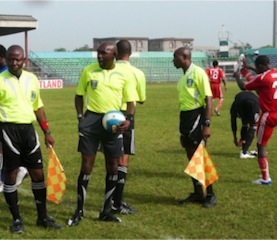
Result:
pixel 129 139
pixel 20 145
pixel 92 132
pixel 191 123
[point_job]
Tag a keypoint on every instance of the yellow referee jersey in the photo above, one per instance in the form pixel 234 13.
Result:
pixel 19 98
pixel 139 78
pixel 193 87
pixel 105 89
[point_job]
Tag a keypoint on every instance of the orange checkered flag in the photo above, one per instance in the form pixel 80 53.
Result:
pixel 56 179
pixel 201 167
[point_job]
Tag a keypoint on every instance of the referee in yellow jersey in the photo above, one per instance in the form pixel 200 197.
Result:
pixel 20 106
pixel 195 104
pixel 102 87
pixel 124 52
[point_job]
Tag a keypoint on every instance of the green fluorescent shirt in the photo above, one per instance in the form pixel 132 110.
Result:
pixel 140 81
pixel 19 98
pixel 193 87
pixel 105 89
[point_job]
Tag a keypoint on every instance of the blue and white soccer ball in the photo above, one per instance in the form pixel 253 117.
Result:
pixel 111 119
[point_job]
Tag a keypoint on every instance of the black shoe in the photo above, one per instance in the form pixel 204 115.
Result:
pixel 76 218
pixel 123 209
pixel 209 201
pixel 107 216
pixel 17 226
pixel 192 198
pixel 48 222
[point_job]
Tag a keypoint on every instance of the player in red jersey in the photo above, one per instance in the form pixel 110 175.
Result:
pixel 216 76
pixel 265 83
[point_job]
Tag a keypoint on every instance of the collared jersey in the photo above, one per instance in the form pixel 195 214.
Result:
pixel 105 89
pixel 140 81
pixel 215 74
pixel 266 86
pixel 19 98
pixel 3 69
pixel 193 88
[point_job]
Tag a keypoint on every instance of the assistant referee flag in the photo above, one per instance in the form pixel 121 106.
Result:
pixel 56 179
pixel 201 167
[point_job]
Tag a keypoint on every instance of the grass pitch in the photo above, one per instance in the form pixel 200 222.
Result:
pixel 155 180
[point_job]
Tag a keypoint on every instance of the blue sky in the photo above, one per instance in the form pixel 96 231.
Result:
pixel 72 24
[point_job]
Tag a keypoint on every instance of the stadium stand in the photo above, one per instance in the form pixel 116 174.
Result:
pixel 157 66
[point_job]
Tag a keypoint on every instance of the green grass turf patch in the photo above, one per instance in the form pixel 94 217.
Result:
pixel 156 179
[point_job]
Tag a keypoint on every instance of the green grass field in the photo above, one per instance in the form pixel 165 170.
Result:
pixel 156 180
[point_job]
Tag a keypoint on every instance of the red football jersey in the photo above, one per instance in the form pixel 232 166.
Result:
pixel 215 74
pixel 266 86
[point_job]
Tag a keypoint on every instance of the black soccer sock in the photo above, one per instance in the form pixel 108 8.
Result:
pixel 10 193
pixel 197 187
pixel 111 181
pixel 118 193
pixel 39 191
pixel 83 180
pixel 250 134
pixel 210 190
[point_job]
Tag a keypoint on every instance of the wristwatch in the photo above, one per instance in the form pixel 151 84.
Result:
pixel 207 122
pixel 80 115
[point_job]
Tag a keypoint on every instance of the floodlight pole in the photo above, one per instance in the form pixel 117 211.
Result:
pixel 274 23
pixel 26 50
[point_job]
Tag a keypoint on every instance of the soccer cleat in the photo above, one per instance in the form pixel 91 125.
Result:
pixel 192 198
pixel 17 226
pixel 109 217
pixel 246 155
pixel 123 209
pixel 262 181
pixel 76 218
pixel 254 153
pixel 217 112
pixel 48 222
pixel 22 173
pixel 209 201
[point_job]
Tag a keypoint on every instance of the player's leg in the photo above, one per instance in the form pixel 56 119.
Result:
pixel 11 157
pixel 247 135
pixel 129 149
pixel 31 157
pixel 219 95
pixel 88 146
pixel 111 180
pixel 191 136
pixel 113 150
pixel 264 132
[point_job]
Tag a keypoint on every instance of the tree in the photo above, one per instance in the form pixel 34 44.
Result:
pixel 60 50
pixel 84 48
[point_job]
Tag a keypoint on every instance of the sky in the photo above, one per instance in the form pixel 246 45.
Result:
pixel 73 24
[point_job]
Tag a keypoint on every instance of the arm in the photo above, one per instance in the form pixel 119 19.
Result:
pixel 79 106
pixel 234 124
pixel 224 83
pixel 208 113
pixel 130 112
pixel 41 118
pixel 239 80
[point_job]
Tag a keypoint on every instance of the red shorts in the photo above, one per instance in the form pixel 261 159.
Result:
pixel 267 122
pixel 216 90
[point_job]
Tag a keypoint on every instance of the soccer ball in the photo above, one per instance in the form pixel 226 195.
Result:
pixel 111 119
